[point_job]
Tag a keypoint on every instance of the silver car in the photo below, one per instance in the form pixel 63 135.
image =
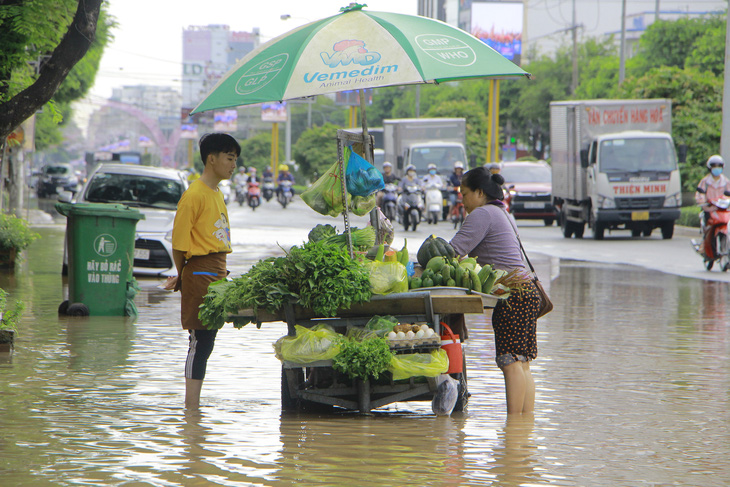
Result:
pixel 153 191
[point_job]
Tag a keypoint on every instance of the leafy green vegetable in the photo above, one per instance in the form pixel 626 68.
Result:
pixel 363 359
pixel 321 232
pixel 316 275
pixel 362 238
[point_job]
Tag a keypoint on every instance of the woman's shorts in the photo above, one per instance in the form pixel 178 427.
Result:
pixel 507 359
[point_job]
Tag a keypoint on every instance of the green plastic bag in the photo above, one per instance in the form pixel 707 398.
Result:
pixel 387 277
pixel 408 365
pixel 325 195
pixel 381 325
pixel 309 345
pixel 361 205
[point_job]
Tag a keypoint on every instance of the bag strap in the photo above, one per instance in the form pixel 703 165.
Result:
pixel 517 234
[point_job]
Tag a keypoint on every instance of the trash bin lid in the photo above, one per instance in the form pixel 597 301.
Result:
pixel 114 210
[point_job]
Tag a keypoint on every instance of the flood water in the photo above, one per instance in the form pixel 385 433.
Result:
pixel 632 389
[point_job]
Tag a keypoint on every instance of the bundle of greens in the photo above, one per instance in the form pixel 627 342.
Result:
pixel 317 275
pixel 362 238
pixel 363 359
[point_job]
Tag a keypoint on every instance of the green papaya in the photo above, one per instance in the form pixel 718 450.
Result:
pixel 415 283
pixel 446 272
pixel 404 257
pixel 459 275
pixel 468 263
pixel 489 282
pixel 450 283
pixel 475 282
pixel 485 272
pixel 436 264
pixel 437 279
pixel 427 282
pixel 427 273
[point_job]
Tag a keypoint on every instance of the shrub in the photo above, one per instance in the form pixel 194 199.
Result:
pixel 689 216
pixel 15 233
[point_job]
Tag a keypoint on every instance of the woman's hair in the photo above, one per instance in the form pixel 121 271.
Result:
pixel 216 143
pixel 481 179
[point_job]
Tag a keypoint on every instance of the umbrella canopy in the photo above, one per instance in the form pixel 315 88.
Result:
pixel 353 50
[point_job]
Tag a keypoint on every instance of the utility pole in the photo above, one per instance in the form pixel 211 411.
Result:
pixel 725 134
pixel 622 65
pixel 574 27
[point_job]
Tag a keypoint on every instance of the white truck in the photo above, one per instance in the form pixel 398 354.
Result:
pixel 614 166
pixel 423 141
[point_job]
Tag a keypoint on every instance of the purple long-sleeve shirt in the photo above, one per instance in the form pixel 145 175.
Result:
pixel 488 236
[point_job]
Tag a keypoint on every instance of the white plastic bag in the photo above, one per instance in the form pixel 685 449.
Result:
pixel 446 395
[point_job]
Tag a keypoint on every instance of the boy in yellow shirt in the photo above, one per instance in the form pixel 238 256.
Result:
pixel 201 238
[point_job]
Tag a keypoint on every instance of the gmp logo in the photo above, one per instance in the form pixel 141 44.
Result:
pixel 105 245
pixel 446 49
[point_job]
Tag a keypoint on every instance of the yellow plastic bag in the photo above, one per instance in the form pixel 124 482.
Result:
pixel 419 364
pixel 388 277
pixel 309 345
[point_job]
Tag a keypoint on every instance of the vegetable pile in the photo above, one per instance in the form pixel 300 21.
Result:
pixel 364 357
pixel 318 275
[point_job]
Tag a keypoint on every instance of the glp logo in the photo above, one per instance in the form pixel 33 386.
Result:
pixel 350 51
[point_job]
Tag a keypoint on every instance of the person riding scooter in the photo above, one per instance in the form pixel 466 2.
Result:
pixel 454 182
pixel 710 189
pixel 410 202
pixel 432 184
pixel 284 175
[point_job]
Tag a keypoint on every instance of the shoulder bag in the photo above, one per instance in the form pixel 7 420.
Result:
pixel 546 305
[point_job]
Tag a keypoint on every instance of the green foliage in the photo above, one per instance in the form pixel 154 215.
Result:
pixel 363 359
pixel 10 317
pixel 476 123
pixel 256 151
pixel 316 150
pixel 15 233
pixel 689 216
pixel 696 112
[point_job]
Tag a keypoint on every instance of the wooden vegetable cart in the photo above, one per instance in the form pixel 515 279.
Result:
pixel 317 385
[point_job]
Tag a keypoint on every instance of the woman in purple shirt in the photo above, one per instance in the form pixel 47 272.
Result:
pixel 489 236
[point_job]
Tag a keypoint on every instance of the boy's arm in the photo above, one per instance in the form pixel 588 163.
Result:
pixel 175 282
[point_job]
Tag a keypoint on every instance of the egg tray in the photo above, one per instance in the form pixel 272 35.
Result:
pixel 432 342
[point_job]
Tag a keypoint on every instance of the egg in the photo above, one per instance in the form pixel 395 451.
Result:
pixel 429 333
pixel 392 335
pixel 410 334
pixel 400 335
pixel 420 333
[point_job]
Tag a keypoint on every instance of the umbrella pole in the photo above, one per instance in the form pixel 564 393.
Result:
pixel 365 137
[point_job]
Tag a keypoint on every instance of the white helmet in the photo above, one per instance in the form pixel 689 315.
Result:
pixel 458 165
pixel 715 161
pixel 387 164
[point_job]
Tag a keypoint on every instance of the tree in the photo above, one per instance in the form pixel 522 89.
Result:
pixel 256 151
pixel 316 150
pixel 476 124
pixel 18 20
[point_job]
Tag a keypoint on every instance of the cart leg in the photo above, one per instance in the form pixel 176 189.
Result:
pixel 363 395
pixel 290 380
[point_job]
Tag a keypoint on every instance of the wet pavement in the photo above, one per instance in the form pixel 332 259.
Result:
pixel 631 379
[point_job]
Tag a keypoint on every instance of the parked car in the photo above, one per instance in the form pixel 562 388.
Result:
pixel 154 192
pixel 530 188
pixel 55 176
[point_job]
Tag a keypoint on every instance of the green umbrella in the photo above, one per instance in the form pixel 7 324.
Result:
pixel 353 50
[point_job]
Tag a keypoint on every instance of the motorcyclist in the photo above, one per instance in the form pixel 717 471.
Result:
pixel 494 167
pixel 433 178
pixel 388 178
pixel 267 173
pixel 411 177
pixel 252 177
pixel 712 187
pixel 454 182
pixel 241 177
pixel 284 175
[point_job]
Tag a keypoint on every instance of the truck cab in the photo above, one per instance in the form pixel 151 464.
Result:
pixel 443 154
pixel 633 183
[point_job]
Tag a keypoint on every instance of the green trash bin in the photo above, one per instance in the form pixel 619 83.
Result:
pixel 100 240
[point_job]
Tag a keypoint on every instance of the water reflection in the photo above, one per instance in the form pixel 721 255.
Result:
pixel 631 378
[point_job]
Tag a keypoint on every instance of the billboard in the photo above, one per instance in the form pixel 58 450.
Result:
pixel 499 25
pixel 273 112
pixel 225 121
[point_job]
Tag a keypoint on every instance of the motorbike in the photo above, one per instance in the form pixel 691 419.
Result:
pixel 390 198
pixel 225 189
pixel 285 193
pixel 268 189
pixel 410 206
pixel 434 203
pixel 457 212
pixel 254 194
pixel 240 194
pixel 714 247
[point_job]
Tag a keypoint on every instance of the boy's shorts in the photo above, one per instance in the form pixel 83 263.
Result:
pixel 197 274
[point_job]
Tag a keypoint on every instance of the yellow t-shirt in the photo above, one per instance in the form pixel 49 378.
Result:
pixel 201 222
